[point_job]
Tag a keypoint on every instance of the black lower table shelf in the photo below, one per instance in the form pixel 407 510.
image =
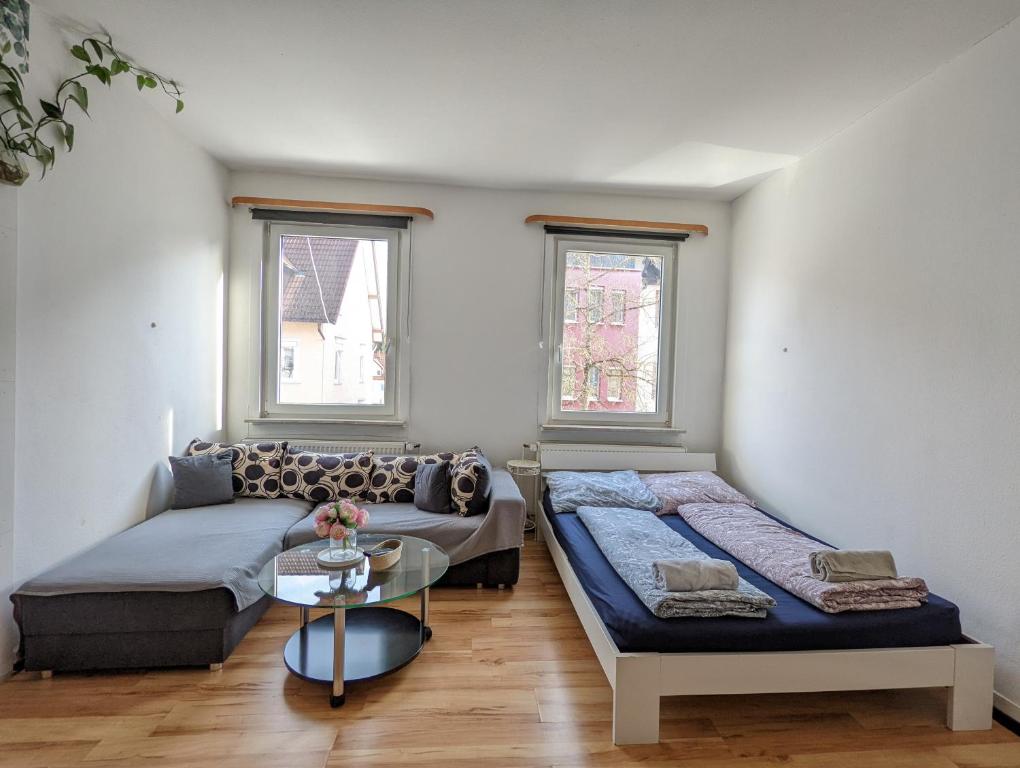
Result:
pixel 377 641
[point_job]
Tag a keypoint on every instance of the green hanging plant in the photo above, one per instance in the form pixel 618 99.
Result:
pixel 23 135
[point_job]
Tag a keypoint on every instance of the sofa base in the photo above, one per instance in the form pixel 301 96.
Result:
pixel 78 646
pixel 496 569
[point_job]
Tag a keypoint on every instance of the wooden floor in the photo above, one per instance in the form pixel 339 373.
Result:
pixel 507 680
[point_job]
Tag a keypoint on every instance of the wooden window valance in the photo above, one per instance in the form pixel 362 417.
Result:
pixel 618 226
pixel 325 205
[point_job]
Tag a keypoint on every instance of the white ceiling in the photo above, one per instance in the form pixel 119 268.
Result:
pixel 695 97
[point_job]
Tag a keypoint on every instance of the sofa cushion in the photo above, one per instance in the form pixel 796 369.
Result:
pixel 393 476
pixel 432 487
pixel 470 479
pixel 202 480
pixel 326 476
pixel 256 466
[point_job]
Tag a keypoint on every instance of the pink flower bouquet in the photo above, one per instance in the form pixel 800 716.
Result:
pixel 339 521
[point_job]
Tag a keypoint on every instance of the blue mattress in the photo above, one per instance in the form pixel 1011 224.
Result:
pixel 793 625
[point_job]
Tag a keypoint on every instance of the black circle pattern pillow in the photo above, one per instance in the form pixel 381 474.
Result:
pixel 393 476
pixel 255 466
pixel 470 483
pixel 326 476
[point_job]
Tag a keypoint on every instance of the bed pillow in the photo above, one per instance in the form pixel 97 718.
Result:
pixel 326 476
pixel 470 483
pixel 256 466
pixel 393 476
pixel 570 490
pixel 202 481
pixel 676 488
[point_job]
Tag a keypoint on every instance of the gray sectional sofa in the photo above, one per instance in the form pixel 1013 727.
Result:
pixel 180 588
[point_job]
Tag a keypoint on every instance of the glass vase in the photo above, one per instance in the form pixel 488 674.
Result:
pixel 346 545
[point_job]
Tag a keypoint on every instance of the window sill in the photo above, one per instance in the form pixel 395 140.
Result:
pixel 300 420
pixel 611 428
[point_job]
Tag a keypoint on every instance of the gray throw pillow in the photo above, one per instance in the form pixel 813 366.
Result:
pixel 432 487
pixel 200 481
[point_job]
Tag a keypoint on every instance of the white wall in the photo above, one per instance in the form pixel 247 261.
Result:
pixel 886 263
pixel 127 231
pixel 476 305
pixel 8 341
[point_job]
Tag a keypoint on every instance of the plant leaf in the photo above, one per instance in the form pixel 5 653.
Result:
pixel 69 136
pixel 83 97
pixel 180 105
pixel 51 109
pixel 150 82
pixel 96 47
pixel 80 53
pixel 118 66
pixel 140 81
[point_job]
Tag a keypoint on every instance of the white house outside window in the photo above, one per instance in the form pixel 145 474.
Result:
pixel 326 287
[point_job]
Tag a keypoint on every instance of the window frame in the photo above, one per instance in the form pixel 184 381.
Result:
pixel 553 415
pixel 613 293
pixel 614 374
pixel 572 317
pixel 393 410
pixel 294 346
pixel 600 291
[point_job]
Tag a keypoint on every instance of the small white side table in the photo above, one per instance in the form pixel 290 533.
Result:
pixel 528 468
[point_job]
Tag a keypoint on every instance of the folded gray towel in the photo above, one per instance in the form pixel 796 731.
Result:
pixel 694 575
pixel 852 565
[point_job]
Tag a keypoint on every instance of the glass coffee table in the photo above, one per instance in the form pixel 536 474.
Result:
pixel 351 645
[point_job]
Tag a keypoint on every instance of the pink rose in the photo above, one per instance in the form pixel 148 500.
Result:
pixel 322 515
pixel 362 518
pixel 322 529
pixel 338 531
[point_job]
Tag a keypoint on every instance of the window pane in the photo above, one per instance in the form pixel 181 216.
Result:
pixel 332 290
pixel 570 305
pixel 626 347
pixel 569 382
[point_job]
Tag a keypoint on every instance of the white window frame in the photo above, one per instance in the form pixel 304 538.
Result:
pixel 573 378
pixel 393 410
pixel 600 291
pixel 293 346
pixel 598 384
pixel 572 317
pixel 553 415
pixel 613 293
pixel 338 362
pixel 614 374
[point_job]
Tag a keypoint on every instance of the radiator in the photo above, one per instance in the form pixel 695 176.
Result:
pixel 392 448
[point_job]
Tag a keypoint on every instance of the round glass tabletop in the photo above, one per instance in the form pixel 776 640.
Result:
pixel 295 577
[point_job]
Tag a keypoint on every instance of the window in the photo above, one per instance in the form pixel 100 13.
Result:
pixel 288 362
pixel 570 305
pixel 569 385
pixel 338 363
pixel 617 313
pixel 625 347
pixel 596 296
pixel 327 288
pixel 614 385
pixel 592 384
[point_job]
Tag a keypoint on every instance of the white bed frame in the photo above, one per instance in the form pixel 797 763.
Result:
pixel 640 679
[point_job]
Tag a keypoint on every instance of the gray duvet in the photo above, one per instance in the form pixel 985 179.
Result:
pixel 632 540
pixel 164 554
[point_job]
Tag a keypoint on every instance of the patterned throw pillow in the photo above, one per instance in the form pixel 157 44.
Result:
pixel 676 488
pixel 256 466
pixel 470 482
pixel 624 489
pixel 326 476
pixel 393 476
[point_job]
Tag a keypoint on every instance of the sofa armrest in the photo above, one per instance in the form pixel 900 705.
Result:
pixel 507 503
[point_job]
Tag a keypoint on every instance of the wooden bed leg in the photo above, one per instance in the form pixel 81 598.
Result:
pixel 636 700
pixel 216 666
pixel 46 674
pixel 970 699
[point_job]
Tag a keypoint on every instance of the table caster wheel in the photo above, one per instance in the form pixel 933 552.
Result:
pixel 428 633
pixel 337 701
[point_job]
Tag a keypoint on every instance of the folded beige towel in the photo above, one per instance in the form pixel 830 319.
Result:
pixel 694 575
pixel 852 565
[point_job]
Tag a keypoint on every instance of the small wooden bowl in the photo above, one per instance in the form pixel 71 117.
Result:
pixel 385 560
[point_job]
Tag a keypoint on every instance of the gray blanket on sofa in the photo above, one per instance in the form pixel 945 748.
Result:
pixel 633 539
pixel 164 554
